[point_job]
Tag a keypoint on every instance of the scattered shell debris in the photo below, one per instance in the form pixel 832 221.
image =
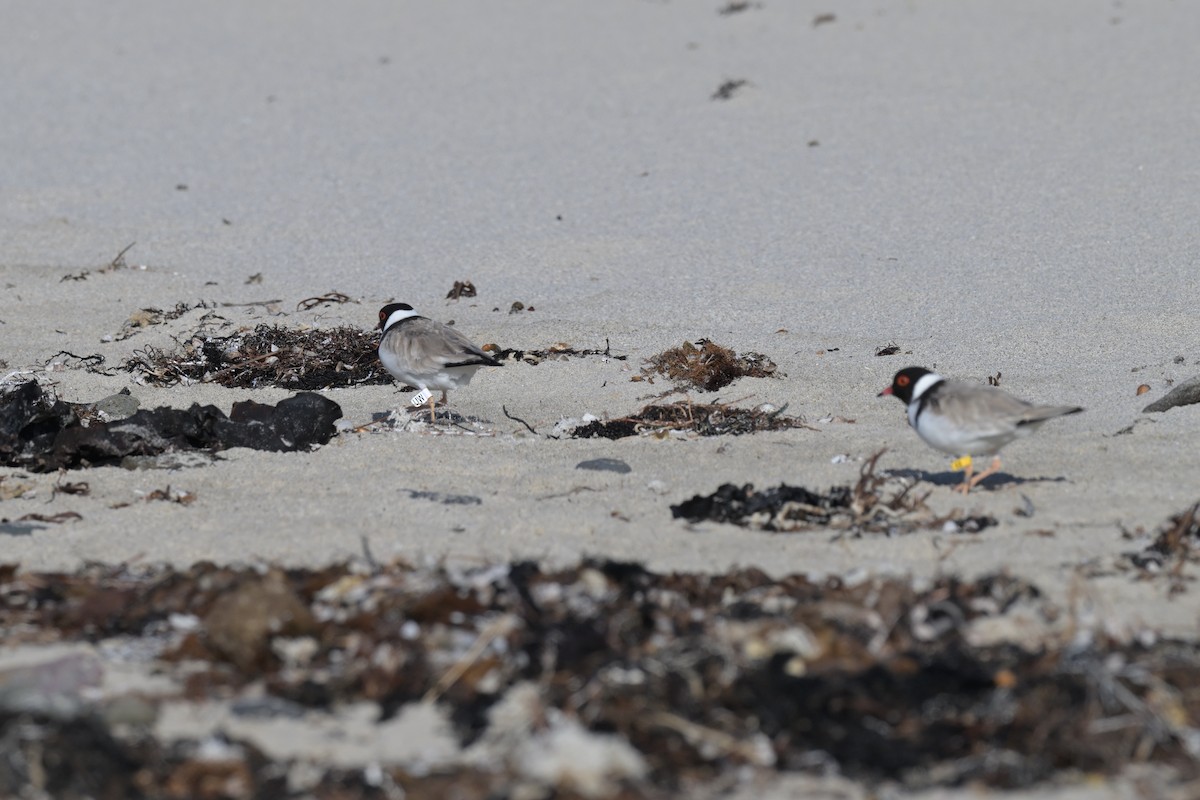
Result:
pixel 561 351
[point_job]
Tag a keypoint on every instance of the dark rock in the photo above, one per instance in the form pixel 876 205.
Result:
pixel 1184 394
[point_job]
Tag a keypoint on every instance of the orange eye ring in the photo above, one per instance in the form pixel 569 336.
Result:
pixel 902 380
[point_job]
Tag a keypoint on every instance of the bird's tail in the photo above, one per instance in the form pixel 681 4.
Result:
pixel 1043 413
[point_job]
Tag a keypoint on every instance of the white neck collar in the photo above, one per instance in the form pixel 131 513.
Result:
pixel 925 383
pixel 397 316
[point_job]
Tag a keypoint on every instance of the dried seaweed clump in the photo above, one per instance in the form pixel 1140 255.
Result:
pixel 704 419
pixel 270 355
pixel 555 352
pixel 700 677
pixel 706 365
pixel 875 504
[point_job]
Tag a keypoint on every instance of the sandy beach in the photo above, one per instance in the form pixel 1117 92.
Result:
pixel 995 189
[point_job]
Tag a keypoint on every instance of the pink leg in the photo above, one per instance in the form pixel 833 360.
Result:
pixel 966 485
pixel 992 470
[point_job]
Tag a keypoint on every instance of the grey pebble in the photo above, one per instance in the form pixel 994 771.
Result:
pixel 118 406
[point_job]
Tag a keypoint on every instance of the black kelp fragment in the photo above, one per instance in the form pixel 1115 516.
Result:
pixel 41 433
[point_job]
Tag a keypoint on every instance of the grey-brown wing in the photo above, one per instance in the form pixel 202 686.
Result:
pixel 432 343
pixel 991 411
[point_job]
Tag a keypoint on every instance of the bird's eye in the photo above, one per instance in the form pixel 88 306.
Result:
pixel 902 380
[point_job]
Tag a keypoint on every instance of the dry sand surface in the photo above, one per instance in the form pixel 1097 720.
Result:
pixel 995 187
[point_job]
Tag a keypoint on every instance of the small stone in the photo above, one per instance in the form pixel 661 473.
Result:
pixel 267 707
pixel 130 710
pixel 605 465
pixel 118 406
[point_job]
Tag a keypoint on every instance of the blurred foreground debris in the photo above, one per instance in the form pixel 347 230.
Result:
pixel 603 679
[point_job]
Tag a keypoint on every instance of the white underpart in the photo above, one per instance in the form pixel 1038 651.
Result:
pixel 431 376
pixel 944 434
pixel 396 317
pixel 429 373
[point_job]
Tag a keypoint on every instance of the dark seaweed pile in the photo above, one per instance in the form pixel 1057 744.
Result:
pixel 704 419
pixel 876 503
